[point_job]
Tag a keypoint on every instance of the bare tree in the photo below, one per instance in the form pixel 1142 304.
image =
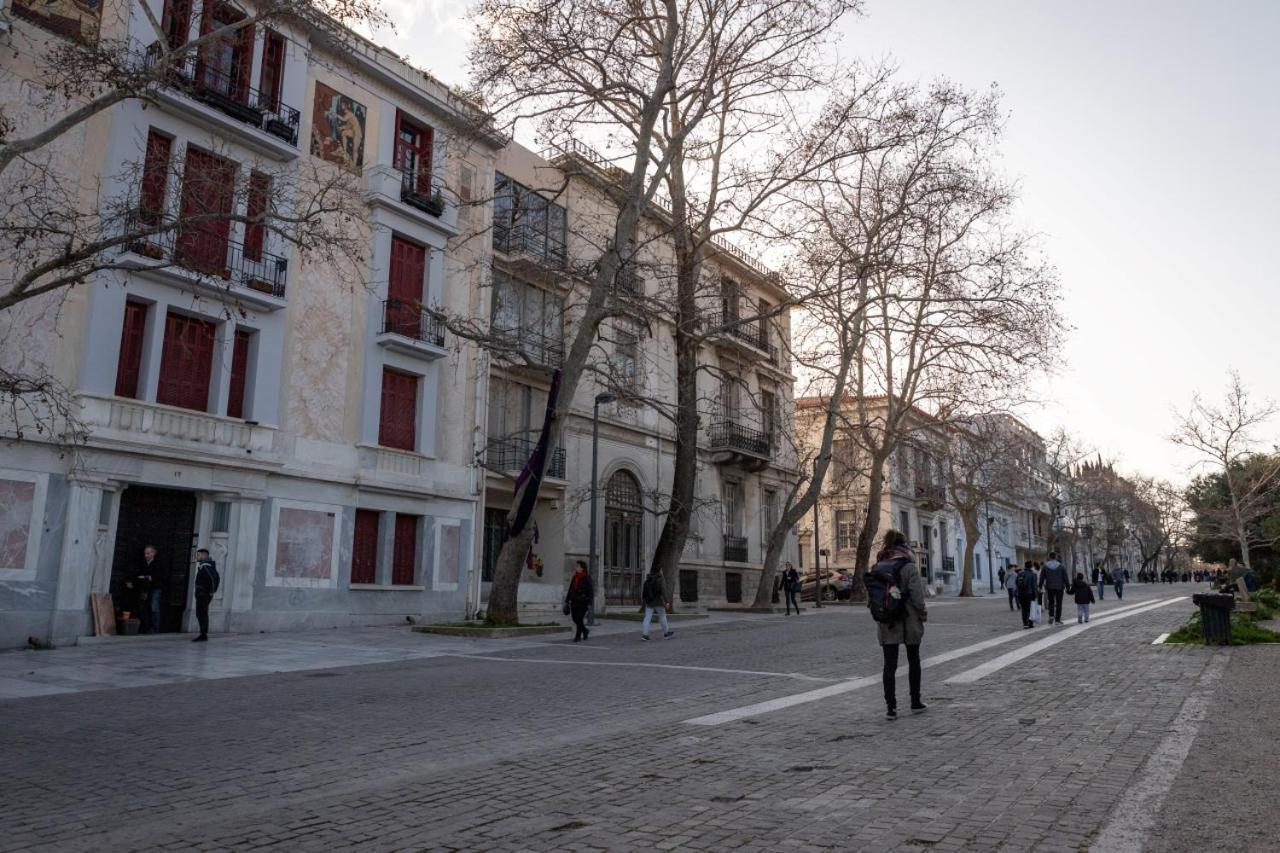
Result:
pixel 1157 514
pixel 1224 436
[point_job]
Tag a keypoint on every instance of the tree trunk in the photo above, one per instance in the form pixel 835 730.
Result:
pixel 971 533
pixel 675 528
pixel 871 523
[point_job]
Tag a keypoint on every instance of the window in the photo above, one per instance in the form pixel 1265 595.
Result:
pixel 256 206
pixel 730 398
pixel 495 536
pixel 186 362
pixel 404 553
pixel 769 415
pixel 412 154
pixel 225 62
pixel 208 187
pixel 846 529
pixel 155 179
pixel 239 373
pixel 532 316
pixel 405 279
pixel 731 496
pixel 515 409
pixel 221 522
pixel 104 508
pixel 364 547
pixel 176 22
pixel 762 310
pixel 129 366
pixel 688 585
pixel 904 520
pixel 626 357
pixel 730 304
pixel 526 223
pixel 733 587
pixel 768 513
pixel 398 425
pixel 272 72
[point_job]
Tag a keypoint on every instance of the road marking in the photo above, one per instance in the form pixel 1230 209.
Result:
pixel 997 664
pixel 1160 640
pixel 799 676
pixel 1132 822
pixel 768 706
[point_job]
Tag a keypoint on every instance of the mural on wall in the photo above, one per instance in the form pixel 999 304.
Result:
pixel 17 504
pixel 304 545
pixel 337 129
pixel 450 553
pixel 77 19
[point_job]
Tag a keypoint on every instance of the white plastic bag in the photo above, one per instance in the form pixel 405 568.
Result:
pixel 1036 613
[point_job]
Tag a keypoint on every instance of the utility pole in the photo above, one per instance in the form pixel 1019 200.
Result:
pixel 991 567
pixel 817 551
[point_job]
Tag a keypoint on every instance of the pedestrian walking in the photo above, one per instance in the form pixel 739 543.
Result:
pixel 1054 580
pixel 895 592
pixel 791 588
pixel 1011 584
pixel 1082 592
pixel 654 596
pixel 207 581
pixel 1026 587
pixel 1117 579
pixel 1035 567
pixel 578 599
pixel 1100 578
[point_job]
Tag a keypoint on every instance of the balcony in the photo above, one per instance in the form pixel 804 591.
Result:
pixel 199 85
pixel 748 337
pixel 511 453
pixel 422 192
pixel 210 263
pixel 411 328
pixel 930 497
pixel 526 351
pixel 183 434
pixel 416 198
pixel 733 443
pixel 735 549
pixel 531 253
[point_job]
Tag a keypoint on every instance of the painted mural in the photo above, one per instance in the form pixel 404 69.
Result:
pixel 304 545
pixel 337 129
pixel 77 19
pixel 17 503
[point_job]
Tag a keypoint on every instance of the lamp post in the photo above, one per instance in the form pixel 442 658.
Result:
pixel 817 551
pixel 603 397
pixel 991 567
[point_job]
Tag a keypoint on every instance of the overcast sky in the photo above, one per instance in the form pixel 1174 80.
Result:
pixel 1144 137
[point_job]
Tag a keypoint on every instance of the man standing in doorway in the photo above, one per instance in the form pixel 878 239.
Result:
pixel 654 596
pixel 152 576
pixel 1053 577
pixel 207 581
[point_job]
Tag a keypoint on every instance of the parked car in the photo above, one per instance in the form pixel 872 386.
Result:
pixel 836 584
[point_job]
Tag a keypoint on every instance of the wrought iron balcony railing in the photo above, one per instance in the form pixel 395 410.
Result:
pixel 229 92
pixel 511 453
pixel 422 192
pixel 523 347
pixel 754 333
pixel 206 253
pixel 731 435
pixel 735 549
pixel 931 493
pixel 524 241
pixel 412 321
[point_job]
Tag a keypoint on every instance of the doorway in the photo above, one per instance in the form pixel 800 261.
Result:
pixel 623 549
pixel 166 519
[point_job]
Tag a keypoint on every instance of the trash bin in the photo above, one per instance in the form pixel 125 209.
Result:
pixel 1215 616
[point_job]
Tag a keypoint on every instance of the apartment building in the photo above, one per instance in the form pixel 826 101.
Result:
pixel 551 215
pixel 313 426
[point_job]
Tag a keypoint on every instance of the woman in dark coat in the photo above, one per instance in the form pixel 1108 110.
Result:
pixel 907 631
pixel 579 597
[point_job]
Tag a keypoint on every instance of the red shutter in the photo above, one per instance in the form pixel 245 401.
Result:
pixel 177 22
pixel 412 154
pixel 155 179
pixel 398 425
pixel 186 363
pixel 271 78
pixel 243 64
pixel 364 547
pixel 405 553
pixel 239 372
pixel 404 286
pixel 256 205
pixel 131 336
pixel 208 189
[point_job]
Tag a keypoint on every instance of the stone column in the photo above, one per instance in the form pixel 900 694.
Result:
pixel 71 614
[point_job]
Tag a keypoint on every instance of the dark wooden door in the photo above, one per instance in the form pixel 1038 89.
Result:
pixel 165 518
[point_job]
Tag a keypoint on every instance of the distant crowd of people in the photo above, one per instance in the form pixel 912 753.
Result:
pixel 1173 576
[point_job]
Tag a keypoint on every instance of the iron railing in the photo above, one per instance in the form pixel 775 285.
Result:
pixel 524 241
pixel 735 549
pixel 228 92
pixel 931 493
pixel 510 453
pixel 754 333
pixel 428 198
pixel 412 321
pixel 525 346
pixel 210 255
pixel 731 435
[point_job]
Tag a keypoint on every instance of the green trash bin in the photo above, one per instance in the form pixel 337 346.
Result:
pixel 1215 616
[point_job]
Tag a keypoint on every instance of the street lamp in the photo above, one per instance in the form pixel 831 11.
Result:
pixel 603 397
pixel 817 574
pixel 991 567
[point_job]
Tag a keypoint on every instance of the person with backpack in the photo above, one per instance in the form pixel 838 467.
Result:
pixel 207 582
pixel 1055 580
pixel 578 598
pixel 1011 584
pixel 1117 580
pixel 791 588
pixel 1026 585
pixel 654 596
pixel 1083 594
pixel 895 596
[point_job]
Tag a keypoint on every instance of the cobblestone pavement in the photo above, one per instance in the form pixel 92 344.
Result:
pixel 557 746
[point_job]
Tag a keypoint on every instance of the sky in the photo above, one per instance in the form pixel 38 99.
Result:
pixel 1143 136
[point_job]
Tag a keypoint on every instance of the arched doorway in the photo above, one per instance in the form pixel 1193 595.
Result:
pixel 623 542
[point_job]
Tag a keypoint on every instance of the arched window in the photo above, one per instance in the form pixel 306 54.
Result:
pixel 623 539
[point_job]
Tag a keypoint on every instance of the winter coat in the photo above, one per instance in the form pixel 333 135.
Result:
pixel 910 628
pixel 580 590
pixel 1029 581
pixel 1083 592
pixel 206 578
pixel 1011 580
pixel 791 581
pixel 1054 576
pixel 651 600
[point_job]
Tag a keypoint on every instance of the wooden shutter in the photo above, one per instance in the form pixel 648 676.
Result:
pixel 243 63
pixel 129 365
pixel 271 80
pixel 186 362
pixel 208 189
pixel 256 205
pixel 239 372
pixel 405 552
pixel 364 547
pixel 405 285
pixel 398 424
pixel 176 22
pixel 155 179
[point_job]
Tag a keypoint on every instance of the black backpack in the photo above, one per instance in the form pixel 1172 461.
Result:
pixel 651 592
pixel 1023 582
pixel 885 594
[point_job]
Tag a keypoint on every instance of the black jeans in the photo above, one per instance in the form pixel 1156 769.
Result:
pixel 578 612
pixel 1024 601
pixel 891 674
pixel 1013 599
pixel 1054 603
pixel 791 601
pixel 202 613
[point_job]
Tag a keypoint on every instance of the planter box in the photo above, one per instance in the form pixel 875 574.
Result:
pixel 486 632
